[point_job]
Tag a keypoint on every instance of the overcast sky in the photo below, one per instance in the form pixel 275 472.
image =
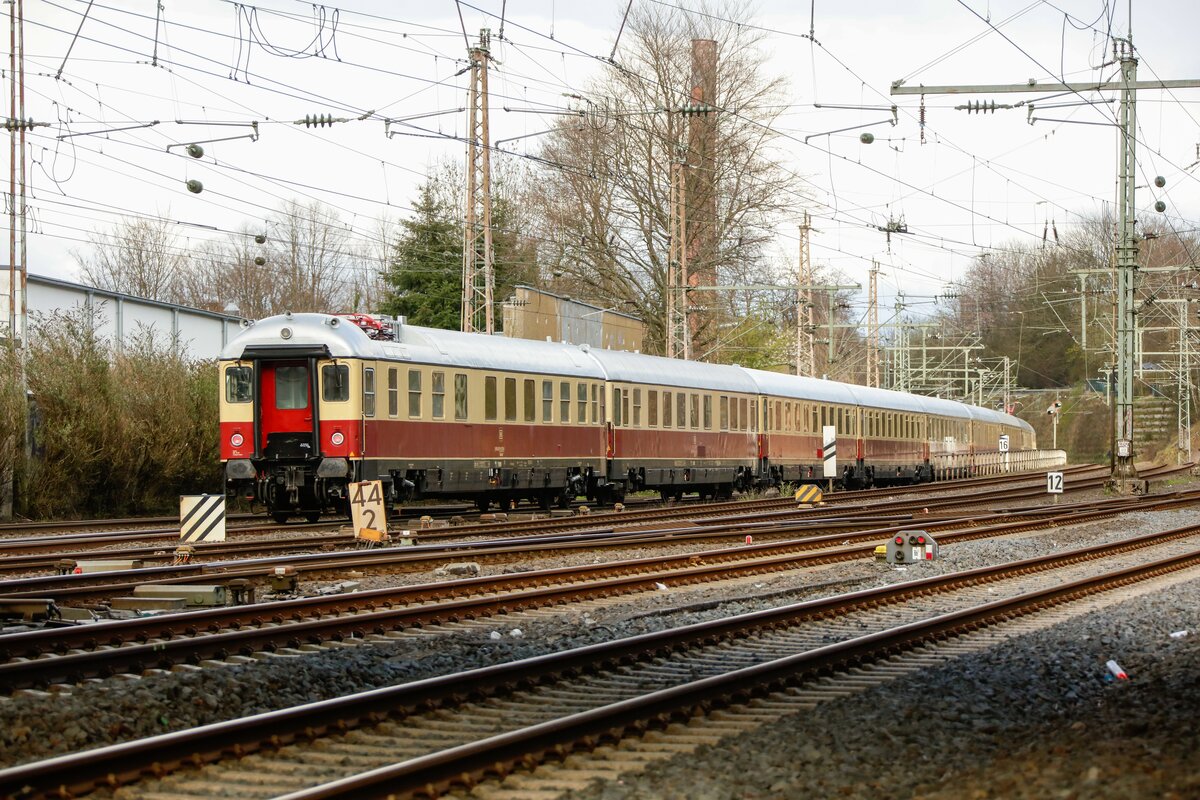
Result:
pixel 977 181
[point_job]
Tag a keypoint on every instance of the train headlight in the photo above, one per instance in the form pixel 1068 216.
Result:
pixel 236 440
pixel 337 438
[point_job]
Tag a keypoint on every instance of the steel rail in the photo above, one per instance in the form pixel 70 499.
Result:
pixel 59 586
pixel 377 612
pixel 74 774
pixel 466 764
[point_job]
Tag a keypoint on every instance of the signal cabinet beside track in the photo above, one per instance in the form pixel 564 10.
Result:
pixel 310 404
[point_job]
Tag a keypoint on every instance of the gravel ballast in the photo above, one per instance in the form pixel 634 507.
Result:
pixel 1000 710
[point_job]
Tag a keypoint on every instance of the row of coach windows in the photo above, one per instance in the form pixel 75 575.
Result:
pixel 638 407
pixel 575 402
pixel 582 402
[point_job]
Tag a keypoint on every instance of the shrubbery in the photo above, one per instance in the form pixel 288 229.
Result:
pixel 117 431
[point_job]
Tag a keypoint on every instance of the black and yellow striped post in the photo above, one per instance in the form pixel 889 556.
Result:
pixel 808 494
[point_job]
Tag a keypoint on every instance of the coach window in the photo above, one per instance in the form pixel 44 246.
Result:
pixel 438 387
pixel 787 417
pixel 547 401
pixel 368 392
pixel 530 405
pixel 393 391
pixel 708 412
pixel 414 392
pixel 335 383
pixel 695 411
pixel 564 401
pixel 510 399
pixel 744 413
pixel 581 400
pixel 680 409
pixel 489 397
pixel 733 414
pixel 598 390
pixel 460 396
pixel 652 408
pixel 724 412
pixel 624 407
pixel 637 408
pixel 616 406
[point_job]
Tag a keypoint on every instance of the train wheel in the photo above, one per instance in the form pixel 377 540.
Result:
pixel 482 503
pixel 564 500
pixel 544 500
pixel 280 517
pixel 313 516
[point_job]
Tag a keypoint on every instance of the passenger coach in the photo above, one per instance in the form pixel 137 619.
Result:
pixel 311 403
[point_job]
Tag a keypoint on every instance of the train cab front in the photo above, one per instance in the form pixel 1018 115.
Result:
pixel 276 447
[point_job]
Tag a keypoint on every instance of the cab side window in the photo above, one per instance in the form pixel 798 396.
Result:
pixel 238 384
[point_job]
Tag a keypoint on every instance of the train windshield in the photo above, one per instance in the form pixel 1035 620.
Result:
pixel 291 387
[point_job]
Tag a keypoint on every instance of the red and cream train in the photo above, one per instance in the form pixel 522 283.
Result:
pixel 309 403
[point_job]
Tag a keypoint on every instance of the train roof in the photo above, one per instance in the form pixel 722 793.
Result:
pixel 476 351
pixel 620 365
pixel 342 339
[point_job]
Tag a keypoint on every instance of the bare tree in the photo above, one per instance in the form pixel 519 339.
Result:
pixel 310 257
pixel 605 197
pixel 140 256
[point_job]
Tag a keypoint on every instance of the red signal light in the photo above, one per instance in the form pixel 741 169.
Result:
pixel 899 540
pixel 920 540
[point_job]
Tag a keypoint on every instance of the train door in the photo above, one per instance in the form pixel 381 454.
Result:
pixel 286 415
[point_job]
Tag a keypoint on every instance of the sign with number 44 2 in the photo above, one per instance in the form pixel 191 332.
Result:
pixel 1054 482
pixel 366 507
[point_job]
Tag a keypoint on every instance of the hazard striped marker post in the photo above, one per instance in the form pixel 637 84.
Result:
pixel 829 452
pixel 808 494
pixel 201 518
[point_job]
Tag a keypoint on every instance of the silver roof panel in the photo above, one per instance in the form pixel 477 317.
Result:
pixel 637 368
pixel 345 339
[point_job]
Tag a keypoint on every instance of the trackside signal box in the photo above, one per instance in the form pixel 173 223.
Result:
pixel 909 547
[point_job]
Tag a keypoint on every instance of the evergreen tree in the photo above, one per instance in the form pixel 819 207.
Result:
pixel 425 279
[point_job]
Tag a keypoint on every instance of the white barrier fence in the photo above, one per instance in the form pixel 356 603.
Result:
pixel 965 465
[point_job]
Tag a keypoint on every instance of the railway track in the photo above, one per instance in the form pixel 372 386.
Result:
pixel 47 553
pixel 69 654
pixel 627 531
pixel 433 735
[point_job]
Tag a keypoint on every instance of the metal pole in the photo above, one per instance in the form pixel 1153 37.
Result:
pixel 1126 271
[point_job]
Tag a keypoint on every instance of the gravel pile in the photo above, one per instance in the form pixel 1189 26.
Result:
pixel 32 728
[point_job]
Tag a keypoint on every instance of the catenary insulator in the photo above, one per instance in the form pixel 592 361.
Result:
pixel 866 138
pixel 1160 206
pixel 259 261
pixel 195 151
pixel 260 238
pixel 1160 181
pixel 195 187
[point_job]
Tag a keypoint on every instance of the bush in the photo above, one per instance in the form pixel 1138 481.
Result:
pixel 116 431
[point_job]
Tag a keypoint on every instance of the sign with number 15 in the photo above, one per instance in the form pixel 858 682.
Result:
pixel 366 506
